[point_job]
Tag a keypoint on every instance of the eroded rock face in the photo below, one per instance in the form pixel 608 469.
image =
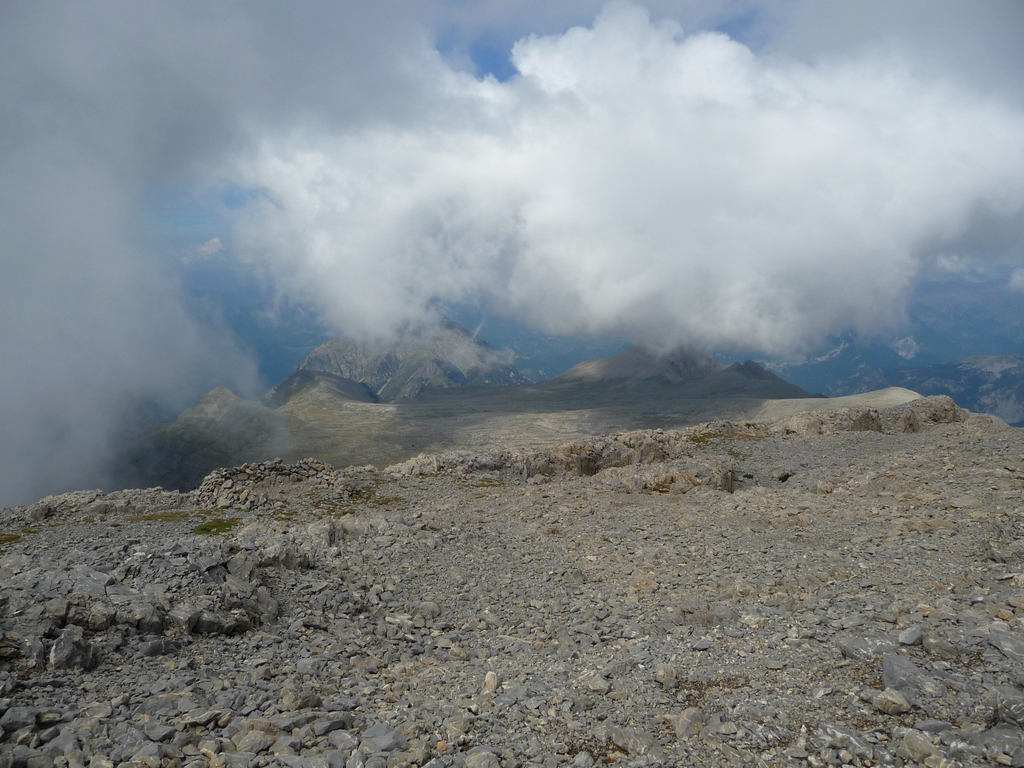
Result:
pixel 734 593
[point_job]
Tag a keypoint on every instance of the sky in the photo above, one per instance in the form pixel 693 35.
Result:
pixel 754 175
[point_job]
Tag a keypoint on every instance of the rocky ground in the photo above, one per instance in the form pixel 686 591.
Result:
pixel 831 588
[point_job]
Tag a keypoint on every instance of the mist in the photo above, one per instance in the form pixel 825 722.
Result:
pixel 635 180
pixel 629 174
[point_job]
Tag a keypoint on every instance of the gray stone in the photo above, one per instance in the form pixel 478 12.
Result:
pixel 860 648
pixel 100 617
pixel 18 717
pixel 213 623
pixel 911 636
pixel 147 619
pixel 940 647
pixel 482 760
pixel 159 647
pixel 72 651
pixel 91 583
pixel 293 698
pixel 1009 705
pixel 327 725
pixel 630 740
pixel 1010 645
pixel 890 702
pixel 382 738
pixel 343 740
pixel 158 732
pixel 688 723
pixel 254 741
pixel 933 726
pixel 901 674
pixel 917 747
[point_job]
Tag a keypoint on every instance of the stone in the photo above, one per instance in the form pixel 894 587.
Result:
pixel 343 740
pixel 72 651
pixel 254 741
pixel 100 617
pixel 860 648
pixel 328 725
pixel 917 747
pixel 294 698
pixel 491 683
pixel 482 760
pixel 890 702
pixel 158 732
pixel 159 647
pixel 688 723
pixel 18 717
pixel 215 623
pixel 940 647
pixel 598 683
pixel 911 636
pixel 147 619
pixel 901 674
pixel 382 738
pixel 1008 704
pixel 1010 645
pixel 666 676
pixel 630 740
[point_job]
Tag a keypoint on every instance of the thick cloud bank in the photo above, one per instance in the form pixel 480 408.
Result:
pixel 635 180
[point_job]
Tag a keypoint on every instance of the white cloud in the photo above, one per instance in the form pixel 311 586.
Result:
pixel 633 180
pixel 211 247
pixel 1017 280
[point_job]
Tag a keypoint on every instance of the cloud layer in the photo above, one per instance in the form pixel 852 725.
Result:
pixel 630 179
pixel 635 180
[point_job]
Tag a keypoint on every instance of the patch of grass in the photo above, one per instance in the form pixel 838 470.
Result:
pixel 216 526
pixel 29 529
pixel 177 515
pixel 785 476
pixel 387 501
pixel 9 538
pixel 89 520
pixel 115 525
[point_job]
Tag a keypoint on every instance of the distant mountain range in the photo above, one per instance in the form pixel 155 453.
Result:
pixel 983 383
pixel 452 357
pixel 354 403
pixel 686 371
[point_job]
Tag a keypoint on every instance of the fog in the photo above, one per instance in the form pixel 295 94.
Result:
pixel 631 171
pixel 633 180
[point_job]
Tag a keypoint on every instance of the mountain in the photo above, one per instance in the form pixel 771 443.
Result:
pixel 685 372
pixel 984 383
pixel 304 380
pixel 222 430
pixel 451 357
pixel 348 419
pixel 638 365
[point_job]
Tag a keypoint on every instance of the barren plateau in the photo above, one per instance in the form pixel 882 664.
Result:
pixel 811 583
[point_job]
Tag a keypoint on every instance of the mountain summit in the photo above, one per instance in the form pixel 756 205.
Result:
pixel 451 357
pixel 684 370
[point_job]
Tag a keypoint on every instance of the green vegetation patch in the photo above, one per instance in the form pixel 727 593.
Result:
pixel 29 529
pixel 9 538
pixel 216 525
pixel 176 515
